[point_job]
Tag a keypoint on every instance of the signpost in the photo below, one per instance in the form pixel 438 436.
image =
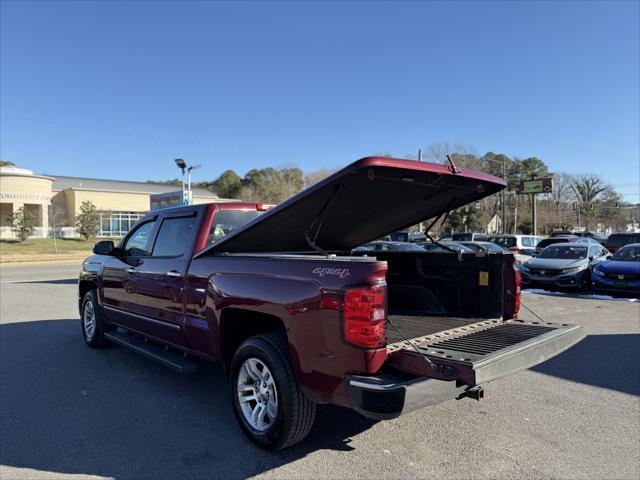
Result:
pixel 165 200
pixel 533 187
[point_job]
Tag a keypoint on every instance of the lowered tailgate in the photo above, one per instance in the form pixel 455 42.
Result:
pixel 484 351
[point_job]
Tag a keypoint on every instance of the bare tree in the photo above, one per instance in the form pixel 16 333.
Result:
pixel 586 188
pixel 437 152
pixel 315 177
pixel 560 196
pixel 57 220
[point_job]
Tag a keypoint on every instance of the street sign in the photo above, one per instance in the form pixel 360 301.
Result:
pixel 539 185
pixel 165 200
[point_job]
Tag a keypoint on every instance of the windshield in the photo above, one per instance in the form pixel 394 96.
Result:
pixel 462 236
pixel 457 246
pixel 505 241
pixel 407 246
pixel 550 241
pixel 225 221
pixel 492 247
pixel 630 253
pixel 564 252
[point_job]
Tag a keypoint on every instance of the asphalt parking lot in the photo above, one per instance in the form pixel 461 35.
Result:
pixel 67 411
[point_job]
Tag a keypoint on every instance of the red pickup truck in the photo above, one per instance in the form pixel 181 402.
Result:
pixel 277 296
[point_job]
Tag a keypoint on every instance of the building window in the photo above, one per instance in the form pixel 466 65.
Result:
pixel 117 224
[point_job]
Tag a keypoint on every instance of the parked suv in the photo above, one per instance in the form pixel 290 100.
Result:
pixel 524 244
pixel 469 237
pixel 618 240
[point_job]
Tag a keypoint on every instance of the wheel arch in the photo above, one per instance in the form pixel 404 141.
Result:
pixel 238 324
pixel 85 286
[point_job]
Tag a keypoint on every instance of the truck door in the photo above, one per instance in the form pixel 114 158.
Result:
pixel 160 279
pixel 119 290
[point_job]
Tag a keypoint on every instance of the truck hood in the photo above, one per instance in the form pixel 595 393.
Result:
pixel 616 266
pixel 366 200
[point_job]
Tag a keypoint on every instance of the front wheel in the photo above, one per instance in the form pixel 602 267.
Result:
pixel 92 321
pixel 267 400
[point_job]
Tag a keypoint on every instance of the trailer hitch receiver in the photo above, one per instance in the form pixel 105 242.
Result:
pixel 476 393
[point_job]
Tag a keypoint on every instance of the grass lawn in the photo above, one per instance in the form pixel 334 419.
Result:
pixel 34 249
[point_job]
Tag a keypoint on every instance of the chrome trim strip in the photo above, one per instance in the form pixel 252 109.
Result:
pixel 142 317
pixel 374 386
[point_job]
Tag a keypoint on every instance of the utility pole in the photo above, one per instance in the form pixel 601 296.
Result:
pixel 578 209
pixel 420 225
pixel 534 216
pixel 504 196
pixel 515 217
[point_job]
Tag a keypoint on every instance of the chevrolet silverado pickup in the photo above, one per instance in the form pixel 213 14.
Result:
pixel 297 318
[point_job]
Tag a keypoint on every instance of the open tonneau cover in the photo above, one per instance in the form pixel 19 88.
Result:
pixel 484 351
pixel 364 201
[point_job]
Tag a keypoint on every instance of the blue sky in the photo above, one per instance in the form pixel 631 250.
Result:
pixel 119 89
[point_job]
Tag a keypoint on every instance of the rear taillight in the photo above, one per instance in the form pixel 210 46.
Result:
pixel 263 207
pixel 516 306
pixel 511 292
pixel 364 316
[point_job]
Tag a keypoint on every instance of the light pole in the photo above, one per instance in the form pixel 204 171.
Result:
pixel 182 165
pixel 187 198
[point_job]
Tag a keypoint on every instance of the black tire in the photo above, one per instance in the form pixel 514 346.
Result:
pixel 296 413
pixel 95 339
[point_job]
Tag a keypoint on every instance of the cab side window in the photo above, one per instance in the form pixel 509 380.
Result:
pixel 173 236
pixel 526 242
pixel 137 245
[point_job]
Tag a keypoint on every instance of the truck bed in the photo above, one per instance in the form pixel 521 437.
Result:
pixel 413 326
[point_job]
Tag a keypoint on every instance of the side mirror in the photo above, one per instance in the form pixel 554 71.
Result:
pixel 608 256
pixel 591 258
pixel 103 247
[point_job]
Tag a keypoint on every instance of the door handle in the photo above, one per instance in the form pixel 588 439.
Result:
pixel 174 274
pixel 132 270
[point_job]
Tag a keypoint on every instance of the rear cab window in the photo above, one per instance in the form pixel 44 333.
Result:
pixel 225 221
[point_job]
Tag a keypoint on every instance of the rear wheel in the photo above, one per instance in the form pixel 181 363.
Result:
pixel 92 322
pixel 267 400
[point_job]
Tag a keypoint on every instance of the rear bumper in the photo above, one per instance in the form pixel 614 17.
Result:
pixel 388 395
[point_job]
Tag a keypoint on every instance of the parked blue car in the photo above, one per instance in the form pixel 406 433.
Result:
pixel 620 273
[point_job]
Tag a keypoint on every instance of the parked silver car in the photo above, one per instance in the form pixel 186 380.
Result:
pixel 562 265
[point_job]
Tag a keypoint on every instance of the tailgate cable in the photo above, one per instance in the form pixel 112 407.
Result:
pixel 526 308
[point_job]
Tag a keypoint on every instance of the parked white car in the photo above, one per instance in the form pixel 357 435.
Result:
pixel 518 244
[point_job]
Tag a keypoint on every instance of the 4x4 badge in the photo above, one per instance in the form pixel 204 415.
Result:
pixel 339 272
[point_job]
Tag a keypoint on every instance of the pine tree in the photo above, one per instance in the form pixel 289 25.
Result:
pixel 22 224
pixel 88 222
